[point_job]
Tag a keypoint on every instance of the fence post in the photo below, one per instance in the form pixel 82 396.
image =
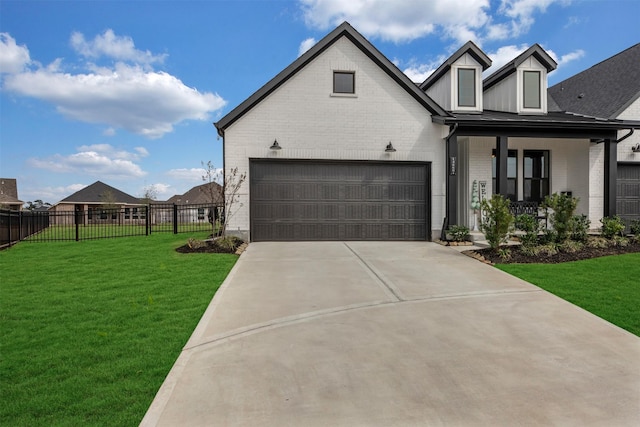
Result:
pixel 175 219
pixel 9 216
pixel 75 220
pixel 148 221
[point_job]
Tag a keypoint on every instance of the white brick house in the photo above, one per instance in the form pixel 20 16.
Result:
pixel 341 145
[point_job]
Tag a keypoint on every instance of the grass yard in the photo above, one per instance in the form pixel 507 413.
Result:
pixel 90 329
pixel 608 287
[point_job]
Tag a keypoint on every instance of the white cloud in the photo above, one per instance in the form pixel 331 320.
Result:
pixel 522 13
pixel 568 57
pixel 120 48
pixel 398 21
pixel 503 55
pixel 195 176
pixel 306 45
pixel 459 20
pixel 98 160
pixel 13 58
pixel 123 96
pixel 55 194
pixel 184 174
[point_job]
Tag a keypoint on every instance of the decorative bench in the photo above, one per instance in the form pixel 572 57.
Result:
pixel 529 208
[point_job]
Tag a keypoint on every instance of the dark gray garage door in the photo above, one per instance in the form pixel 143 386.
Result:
pixel 628 188
pixel 300 200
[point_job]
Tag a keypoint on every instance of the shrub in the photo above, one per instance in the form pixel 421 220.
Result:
pixel 195 243
pixel 505 254
pixel 228 243
pixel 612 226
pixel 563 208
pixel 458 233
pixel 548 249
pixel 580 228
pixel 635 227
pixel 597 242
pixel 619 241
pixel 530 226
pixel 497 221
pixel 571 246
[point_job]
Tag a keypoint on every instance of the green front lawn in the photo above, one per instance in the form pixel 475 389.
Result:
pixel 608 287
pixel 89 330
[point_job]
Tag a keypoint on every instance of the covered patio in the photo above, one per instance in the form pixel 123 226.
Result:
pixel 527 157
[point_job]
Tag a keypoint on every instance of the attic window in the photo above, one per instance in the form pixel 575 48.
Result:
pixel 344 82
pixel 531 86
pixel 466 87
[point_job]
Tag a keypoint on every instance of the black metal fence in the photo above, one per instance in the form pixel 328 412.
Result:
pixel 104 223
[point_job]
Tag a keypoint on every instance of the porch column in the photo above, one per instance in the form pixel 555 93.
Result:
pixel 610 176
pixel 502 151
pixel 451 211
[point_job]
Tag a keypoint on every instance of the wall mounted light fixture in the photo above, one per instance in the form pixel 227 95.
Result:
pixel 636 148
pixel 275 145
pixel 389 148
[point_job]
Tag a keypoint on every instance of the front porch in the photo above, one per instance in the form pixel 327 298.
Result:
pixel 525 158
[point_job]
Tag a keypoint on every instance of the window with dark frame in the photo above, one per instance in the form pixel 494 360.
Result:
pixel 466 87
pixel 531 89
pixel 344 82
pixel 512 174
pixel 536 175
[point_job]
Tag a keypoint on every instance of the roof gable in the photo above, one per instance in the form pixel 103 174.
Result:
pixel 344 30
pixel 605 90
pixel 95 192
pixel 468 47
pixel 199 195
pixel 510 67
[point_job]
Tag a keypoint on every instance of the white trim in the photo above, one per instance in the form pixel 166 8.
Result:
pixel 520 90
pixel 454 88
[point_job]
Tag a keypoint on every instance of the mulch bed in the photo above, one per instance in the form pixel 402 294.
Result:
pixel 213 246
pixel 492 256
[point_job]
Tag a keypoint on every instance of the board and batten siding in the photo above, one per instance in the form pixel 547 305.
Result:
pixel 310 122
pixel 507 94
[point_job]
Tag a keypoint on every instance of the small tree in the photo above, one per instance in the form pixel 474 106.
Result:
pixel 109 204
pixel 563 210
pixel 150 194
pixel 498 220
pixel 530 225
pixel 37 204
pixel 228 198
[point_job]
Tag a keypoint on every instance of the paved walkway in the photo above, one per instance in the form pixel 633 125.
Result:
pixel 394 334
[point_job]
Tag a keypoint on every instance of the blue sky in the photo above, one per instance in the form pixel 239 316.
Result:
pixel 126 91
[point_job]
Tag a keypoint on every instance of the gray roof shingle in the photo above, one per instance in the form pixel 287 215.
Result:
pixel 605 90
pixel 95 193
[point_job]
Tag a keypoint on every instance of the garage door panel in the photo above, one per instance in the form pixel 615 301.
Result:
pixel 293 200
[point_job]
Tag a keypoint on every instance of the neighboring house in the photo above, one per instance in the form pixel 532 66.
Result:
pixel 611 90
pixel 9 194
pixel 100 203
pixel 341 145
pixel 198 204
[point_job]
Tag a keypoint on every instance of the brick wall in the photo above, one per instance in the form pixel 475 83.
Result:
pixel 311 123
pixel 624 148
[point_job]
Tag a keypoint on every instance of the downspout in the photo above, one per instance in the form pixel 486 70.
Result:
pixel 617 141
pixel 455 128
pixel 625 137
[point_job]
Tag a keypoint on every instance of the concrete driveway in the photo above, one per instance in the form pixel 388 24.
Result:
pixel 394 334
